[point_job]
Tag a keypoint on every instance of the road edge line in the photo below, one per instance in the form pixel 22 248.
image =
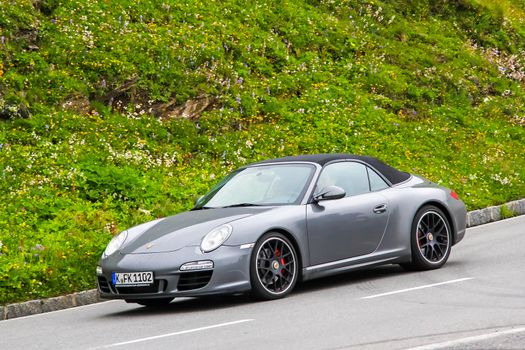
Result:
pixel 466 340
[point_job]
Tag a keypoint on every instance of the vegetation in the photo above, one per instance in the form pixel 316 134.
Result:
pixel 115 113
pixel 506 212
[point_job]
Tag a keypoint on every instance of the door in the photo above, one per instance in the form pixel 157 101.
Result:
pixel 351 226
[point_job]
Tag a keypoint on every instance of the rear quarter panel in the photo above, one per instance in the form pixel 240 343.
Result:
pixel 406 199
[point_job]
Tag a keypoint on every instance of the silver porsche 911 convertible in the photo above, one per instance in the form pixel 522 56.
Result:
pixel 270 224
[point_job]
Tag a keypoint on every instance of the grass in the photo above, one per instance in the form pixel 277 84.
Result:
pixel 92 141
pixel 506 212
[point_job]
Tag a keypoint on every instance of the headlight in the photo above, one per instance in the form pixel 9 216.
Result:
pixel 127 236
pixel 115 243
pixel 215 238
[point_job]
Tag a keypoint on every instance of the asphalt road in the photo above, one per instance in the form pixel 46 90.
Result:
pixel 477 301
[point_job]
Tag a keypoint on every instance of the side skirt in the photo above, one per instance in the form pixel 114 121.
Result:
pixel 355 263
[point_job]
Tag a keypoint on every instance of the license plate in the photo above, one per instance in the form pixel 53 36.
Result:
pixel 132 279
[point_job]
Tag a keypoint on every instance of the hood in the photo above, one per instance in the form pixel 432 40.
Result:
pixel 185 229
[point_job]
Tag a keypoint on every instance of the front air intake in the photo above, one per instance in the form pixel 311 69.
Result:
pixel 194 280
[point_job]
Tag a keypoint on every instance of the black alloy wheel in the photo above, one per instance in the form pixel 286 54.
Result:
pixel 274 267
pixel 431 239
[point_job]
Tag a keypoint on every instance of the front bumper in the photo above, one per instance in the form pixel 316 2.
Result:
pixel 230 273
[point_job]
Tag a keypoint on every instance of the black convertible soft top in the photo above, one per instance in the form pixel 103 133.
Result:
pixel 393 175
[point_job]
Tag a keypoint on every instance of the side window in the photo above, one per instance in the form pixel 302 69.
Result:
pixel 376 182
pixel 350 176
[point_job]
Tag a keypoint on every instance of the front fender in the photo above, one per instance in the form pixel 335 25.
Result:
pixel 290 219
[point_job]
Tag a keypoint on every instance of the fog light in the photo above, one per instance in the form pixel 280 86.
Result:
pixel 99 270
pixel 197 265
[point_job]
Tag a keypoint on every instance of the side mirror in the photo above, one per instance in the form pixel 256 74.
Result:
pixel 330 192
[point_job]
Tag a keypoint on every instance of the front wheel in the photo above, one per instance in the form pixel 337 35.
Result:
pixel 430 239
pixel 273 267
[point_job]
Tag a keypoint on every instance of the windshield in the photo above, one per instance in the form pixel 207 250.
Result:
pixel 260 185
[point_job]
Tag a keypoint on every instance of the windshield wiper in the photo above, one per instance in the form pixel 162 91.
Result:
pixel 242 205
pixel 229 206
pixel 202 208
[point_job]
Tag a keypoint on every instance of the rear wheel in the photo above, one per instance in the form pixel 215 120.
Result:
pixel 151 302
pixel 430 240
pixel 273 267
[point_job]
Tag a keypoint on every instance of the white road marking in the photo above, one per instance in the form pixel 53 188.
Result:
pixel 467 340
pixel 416 288
pixel 175 333
pixel 73 308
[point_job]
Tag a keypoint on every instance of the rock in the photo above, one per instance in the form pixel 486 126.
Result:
pixel 87 297
pixel 58 303
pixel 474 218
pixel 50 304
pixel 521 206
pixel 79 104
pixel 27 37
pixel 23 309
pixel 495 213
pixel 9 111
pixel 486 215
pixel 120 97
pixel 191 109
pixel 517 207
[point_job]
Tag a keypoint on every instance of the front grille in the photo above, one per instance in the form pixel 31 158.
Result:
pixel 194 280
pixel 103 284
pixel 154 288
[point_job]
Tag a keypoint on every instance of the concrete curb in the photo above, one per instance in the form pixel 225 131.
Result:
pixel 39 306
pixel 474 218
pixel 495 213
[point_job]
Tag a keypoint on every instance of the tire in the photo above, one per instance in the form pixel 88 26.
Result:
pixel 151 302
pixel 274 267
pixel 430 240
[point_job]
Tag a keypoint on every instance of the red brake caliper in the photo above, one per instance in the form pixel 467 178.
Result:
pixel 278 254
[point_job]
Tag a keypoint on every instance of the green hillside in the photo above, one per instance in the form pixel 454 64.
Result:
pixel 117 112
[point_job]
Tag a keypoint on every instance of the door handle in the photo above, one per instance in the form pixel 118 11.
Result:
pixel 380 208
